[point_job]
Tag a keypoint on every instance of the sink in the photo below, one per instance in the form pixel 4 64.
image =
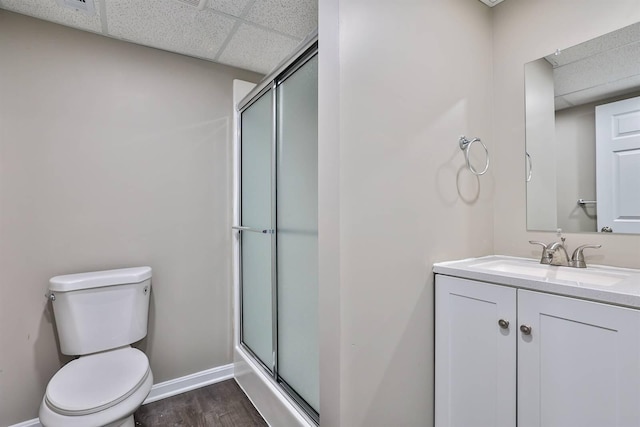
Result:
pixel 595 276
pixel 600 283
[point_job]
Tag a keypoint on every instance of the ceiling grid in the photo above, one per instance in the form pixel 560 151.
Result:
pixel 251 34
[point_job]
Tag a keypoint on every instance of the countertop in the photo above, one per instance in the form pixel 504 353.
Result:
pixel 612 285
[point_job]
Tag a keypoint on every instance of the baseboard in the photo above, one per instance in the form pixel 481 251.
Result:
pixel 189 382
pixel 31 423
pixel 172 387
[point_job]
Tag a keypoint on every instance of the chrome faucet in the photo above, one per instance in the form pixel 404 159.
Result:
pixel 556 254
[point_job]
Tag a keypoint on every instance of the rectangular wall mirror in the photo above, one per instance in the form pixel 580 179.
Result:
pixel 582 159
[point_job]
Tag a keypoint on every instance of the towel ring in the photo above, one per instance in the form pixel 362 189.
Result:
pixel 465 145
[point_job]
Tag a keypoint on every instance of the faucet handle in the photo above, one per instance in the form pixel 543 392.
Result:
pixel 545 258
pixel 577 259
pixel 535 242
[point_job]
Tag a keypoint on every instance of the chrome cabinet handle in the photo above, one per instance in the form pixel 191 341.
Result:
pixel 504 324
pixel 526 330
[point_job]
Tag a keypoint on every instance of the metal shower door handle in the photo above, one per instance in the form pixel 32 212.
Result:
pixel 253 230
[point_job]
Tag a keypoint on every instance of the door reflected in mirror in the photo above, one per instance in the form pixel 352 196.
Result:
pixel 582 159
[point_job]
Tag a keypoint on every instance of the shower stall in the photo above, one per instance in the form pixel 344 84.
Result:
pixel 277 231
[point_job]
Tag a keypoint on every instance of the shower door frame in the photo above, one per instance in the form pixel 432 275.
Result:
pixel 308 51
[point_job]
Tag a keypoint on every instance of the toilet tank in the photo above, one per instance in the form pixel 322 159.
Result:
pixel 101 310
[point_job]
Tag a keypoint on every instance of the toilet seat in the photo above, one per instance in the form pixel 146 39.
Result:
pixel 119 415
pixel 97 382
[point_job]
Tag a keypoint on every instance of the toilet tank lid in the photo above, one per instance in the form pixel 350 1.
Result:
pixel 97 279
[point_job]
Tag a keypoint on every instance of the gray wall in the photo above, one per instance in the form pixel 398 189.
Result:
pixel 524 31
pixel 541 146
pixel 404 80
pixel 576 168
pixel 401 83
pixel 111 155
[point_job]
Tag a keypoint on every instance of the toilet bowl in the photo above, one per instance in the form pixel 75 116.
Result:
pixel 98 315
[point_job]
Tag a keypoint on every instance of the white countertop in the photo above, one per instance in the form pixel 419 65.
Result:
pixel 612 285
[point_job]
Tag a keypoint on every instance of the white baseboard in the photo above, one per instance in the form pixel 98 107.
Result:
pixel 31 423
pixel 172 387
pixel 190 382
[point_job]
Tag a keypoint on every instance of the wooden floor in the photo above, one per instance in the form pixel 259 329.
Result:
pixel 223 404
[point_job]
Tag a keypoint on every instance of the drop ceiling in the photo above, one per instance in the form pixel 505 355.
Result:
pixel 601 68
pixel 250 34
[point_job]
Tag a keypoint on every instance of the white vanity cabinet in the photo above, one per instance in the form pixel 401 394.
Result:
pixel 475 358
pixel 578 366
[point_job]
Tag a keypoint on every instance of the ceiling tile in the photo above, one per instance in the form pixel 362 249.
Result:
pixel 608 42
pixel 604 91
pixel 50 10
pixel 231 7
pixel 251 34
pixel 596 70
pixel 169 25
pixel 256 49
pixel 295 17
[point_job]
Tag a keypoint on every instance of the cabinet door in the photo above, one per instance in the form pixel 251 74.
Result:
pixel 580 365
pixel 475 357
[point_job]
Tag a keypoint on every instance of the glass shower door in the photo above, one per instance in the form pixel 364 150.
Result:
pixel 279 229
pixel 257 238
pixel 297 232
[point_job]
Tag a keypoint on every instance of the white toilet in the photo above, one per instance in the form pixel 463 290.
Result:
pixel 97 316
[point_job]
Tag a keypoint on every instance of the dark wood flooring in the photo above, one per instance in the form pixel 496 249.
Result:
pixel 222 404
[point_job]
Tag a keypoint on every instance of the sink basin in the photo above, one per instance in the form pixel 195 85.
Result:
pixel 596 276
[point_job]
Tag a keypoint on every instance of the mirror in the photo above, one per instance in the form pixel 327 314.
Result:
pixel 582 159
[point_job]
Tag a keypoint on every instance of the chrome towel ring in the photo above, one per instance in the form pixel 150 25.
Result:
pixel 465 146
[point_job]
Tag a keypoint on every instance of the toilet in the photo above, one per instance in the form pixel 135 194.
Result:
pixel 98 315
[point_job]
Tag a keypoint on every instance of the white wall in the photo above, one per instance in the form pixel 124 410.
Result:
pixel 111 155
pixel 329 251
pixel 406 79
pixel 526 30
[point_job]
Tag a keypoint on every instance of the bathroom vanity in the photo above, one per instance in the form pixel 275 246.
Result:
pixel 520 343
